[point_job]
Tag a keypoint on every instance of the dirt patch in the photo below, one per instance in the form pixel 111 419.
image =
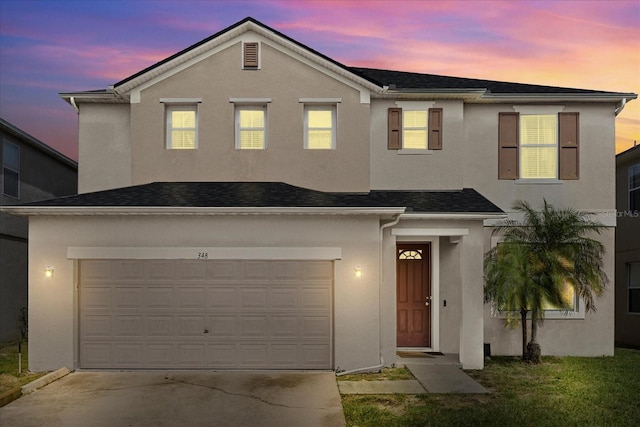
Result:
pixel 8 382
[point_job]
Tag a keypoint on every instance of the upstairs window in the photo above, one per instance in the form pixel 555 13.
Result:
pixel 414 129
pixel 634 188
pixel 538 146
pixel 251 130
pixel 11 169
pixel 182 126
pixel 320 127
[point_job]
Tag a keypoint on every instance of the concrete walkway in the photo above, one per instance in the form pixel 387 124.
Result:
pixel 434 374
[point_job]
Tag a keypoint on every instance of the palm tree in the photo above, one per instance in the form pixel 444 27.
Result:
pixel 538 258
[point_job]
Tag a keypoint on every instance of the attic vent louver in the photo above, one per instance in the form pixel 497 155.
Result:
pixel 251 55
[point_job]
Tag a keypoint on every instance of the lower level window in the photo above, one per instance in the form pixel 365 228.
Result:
pixel 633 270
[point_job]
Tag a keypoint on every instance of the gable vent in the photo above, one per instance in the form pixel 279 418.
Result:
pixel 251 55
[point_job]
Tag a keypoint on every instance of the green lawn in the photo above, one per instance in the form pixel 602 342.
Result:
pixel 9 377
pixel 563 391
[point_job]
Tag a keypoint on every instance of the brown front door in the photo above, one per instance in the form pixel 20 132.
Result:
pixel 413 293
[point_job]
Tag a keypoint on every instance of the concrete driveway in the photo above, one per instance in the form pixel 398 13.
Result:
pixel 184 398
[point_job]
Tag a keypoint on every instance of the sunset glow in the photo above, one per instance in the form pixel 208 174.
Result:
pixel 47 47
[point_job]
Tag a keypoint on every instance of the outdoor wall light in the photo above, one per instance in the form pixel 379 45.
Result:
pixel 358 271
pixel 48 272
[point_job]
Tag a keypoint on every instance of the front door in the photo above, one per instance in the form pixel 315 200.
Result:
pixel 413 295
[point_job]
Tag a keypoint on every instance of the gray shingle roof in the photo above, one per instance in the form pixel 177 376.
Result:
pixel 407 80
pixel 272 194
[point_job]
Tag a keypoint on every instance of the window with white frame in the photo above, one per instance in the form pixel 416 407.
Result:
pixel 320 127
pixel 182 127
pixel 633 272
pixel 11 169
pixel 251 127
pixel 538 146
pixel 634 188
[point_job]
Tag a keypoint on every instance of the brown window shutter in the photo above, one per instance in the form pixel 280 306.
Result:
pixel 508 131
pixel 568 143
pixel 251 55
pixel 394 141
pixel 435 129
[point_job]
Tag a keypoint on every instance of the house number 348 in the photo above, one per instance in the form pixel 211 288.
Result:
pixel 203 255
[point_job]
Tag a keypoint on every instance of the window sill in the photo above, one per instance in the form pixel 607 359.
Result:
pixel 414 151
pixel 538 181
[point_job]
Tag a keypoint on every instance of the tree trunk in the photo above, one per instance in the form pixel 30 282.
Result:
pixel 533 348
pixel 523 321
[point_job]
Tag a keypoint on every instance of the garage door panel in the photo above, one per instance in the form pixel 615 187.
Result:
pixel 223 271
pixel 128 270
pixel 159 297
pixel 191 270
pixel 315 298
pixel 95 271
pixel 222 326
pixel 223 355
pixel 283 326
pixel 315 326
pixel 160 271
pixel 253 355
pixel 254 271
pixel 96 325
pixel 284 298
pixel 205 314
pixel 127 355
pixel 190 326
pixel 252 298
pixel 252 326
pixel 128 326
pixel 159 325
pixel 221 298
pixel 129 297
pixel 160 355
pixel 284 356
pixel 191 355
pixel 315 356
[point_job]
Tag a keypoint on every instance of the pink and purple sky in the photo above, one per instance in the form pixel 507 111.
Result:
pixel 52 46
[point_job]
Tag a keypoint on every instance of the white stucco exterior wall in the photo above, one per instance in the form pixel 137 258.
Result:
pixel 104 149
pixel 53 302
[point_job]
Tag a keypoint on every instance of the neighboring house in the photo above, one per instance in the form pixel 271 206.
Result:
pixel 628 248
pixel 251 203
pixel 31 171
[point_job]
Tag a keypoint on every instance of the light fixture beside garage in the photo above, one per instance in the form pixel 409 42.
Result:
pixel 358 272
pixel 48 272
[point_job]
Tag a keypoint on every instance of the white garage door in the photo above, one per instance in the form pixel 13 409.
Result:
pixel 205 314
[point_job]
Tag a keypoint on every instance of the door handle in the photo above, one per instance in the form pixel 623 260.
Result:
pixel 426 303
pixel 206 331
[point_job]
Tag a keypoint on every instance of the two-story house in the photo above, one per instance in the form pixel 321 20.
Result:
pixel 31 170
pixel 251 203
pixel 628 248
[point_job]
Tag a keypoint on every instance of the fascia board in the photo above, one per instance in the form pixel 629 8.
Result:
pixel 561 97
pixel 454 216
pixel 202 211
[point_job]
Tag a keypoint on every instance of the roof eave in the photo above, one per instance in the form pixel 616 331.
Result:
pixel 194 211
pixel 460 216
pixel 106 97
pixel 557 97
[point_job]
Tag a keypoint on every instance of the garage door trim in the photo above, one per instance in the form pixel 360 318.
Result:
pixel 230 253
